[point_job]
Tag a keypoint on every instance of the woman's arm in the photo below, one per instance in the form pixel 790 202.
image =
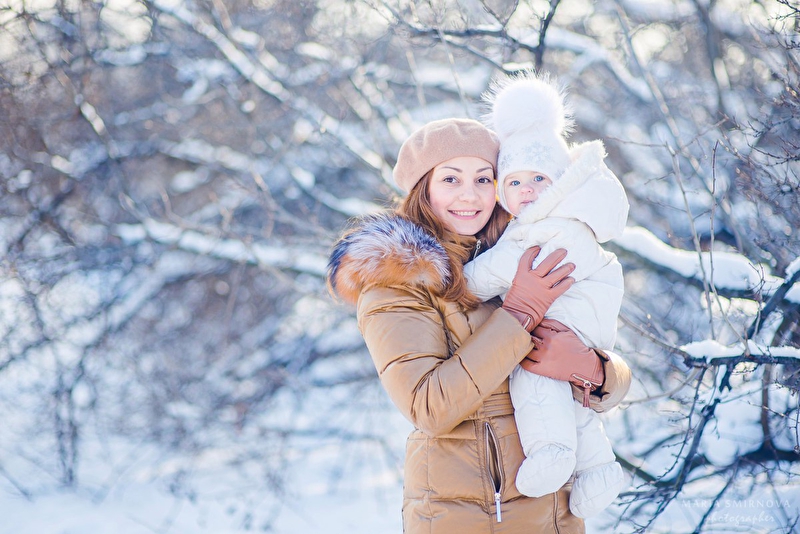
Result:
pixel 616 385
pixel 406 338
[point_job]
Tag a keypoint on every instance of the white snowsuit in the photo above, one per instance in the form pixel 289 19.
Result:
pixel 585 206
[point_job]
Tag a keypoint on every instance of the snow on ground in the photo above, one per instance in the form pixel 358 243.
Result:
pixel 331 487
pixel 147 508
pixel 131 488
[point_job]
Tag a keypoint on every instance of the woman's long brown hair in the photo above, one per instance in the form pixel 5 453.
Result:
pixel 417 208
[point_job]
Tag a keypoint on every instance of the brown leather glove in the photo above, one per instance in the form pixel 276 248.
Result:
pixel 560 354
pixel 551 338
pixel 534 290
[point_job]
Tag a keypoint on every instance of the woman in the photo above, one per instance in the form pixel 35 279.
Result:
pixel 442 355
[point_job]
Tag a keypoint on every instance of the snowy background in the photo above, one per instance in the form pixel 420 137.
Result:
pixel 172 175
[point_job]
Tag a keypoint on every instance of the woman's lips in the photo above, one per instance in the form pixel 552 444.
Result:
pixel 464 213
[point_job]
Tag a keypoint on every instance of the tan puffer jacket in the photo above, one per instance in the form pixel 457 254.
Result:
pixel 447 371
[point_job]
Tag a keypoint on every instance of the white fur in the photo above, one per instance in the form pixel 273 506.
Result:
pixel 386 249
pixel 527 101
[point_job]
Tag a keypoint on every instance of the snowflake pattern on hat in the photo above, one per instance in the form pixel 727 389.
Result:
pixel 531 156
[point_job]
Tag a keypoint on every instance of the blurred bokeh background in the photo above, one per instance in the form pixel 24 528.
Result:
pixel 173 174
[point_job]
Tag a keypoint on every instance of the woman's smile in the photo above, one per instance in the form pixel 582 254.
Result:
pixel 465 214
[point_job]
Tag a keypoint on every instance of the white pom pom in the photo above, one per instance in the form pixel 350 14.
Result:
pixel 526 101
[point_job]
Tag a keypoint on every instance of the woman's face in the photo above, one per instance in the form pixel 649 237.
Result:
pixel 462 193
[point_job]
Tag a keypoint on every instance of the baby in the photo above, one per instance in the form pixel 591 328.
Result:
pixel 561 197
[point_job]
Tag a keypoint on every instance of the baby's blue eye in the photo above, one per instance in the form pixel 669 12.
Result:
pixel 514 182
pixel 538 178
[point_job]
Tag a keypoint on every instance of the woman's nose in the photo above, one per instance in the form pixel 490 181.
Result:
pixel 468 192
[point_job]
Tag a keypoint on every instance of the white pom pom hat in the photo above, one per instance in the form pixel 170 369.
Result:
pixel 529 115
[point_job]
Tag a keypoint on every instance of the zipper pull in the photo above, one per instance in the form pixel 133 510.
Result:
pixel 477 249
pixel 497 504
pixel 587 387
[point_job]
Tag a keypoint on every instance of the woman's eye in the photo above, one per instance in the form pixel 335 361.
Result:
pixel 485 180
pixel 450 179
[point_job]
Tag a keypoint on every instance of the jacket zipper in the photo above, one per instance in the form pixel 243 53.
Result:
pixel 477 249
pixel 494 467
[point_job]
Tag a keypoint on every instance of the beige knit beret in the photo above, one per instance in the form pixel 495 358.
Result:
pixel 440 141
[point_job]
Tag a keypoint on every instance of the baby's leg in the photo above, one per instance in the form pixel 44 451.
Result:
pixel 598 477
pixel 545 416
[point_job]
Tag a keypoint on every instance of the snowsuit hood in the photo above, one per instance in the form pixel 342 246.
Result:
pixel 587 191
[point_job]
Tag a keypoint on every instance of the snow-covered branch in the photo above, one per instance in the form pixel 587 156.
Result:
pixel 259 75
pixel 733 273
pixel 235 250
pixel 711 353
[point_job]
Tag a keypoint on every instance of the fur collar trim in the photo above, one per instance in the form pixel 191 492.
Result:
pixel 385 250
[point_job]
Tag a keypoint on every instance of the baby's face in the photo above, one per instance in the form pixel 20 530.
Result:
pixel 524 187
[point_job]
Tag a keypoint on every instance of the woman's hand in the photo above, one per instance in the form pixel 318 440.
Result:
pixel 534 290
pixel 554 340
pixel 551 338
pixel 560 354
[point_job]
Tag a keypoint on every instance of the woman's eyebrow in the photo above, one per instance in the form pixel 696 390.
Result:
pixel 459 170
